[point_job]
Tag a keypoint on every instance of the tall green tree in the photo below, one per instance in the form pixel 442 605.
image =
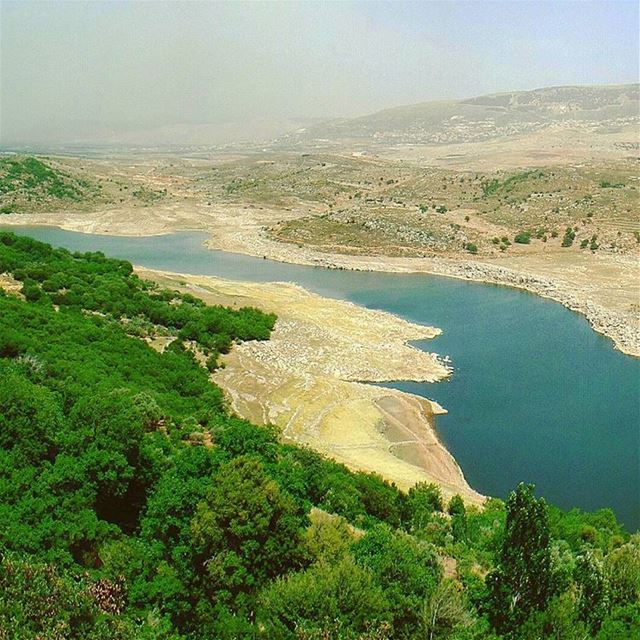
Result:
pixel 246 531
pixel 593 589
pixel 458 513
pixel 521 582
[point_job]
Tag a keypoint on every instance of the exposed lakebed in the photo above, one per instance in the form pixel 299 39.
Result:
pixel 536 394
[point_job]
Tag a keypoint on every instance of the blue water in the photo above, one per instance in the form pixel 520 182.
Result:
pixel 536 394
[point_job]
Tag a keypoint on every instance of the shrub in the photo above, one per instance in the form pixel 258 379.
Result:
pixel 569 237
pixel 524 237
pixel 422 500
pixel 471 247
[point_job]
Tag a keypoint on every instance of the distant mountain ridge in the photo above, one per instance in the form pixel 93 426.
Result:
pixel 168 136
pixel 482 118
pixel 477 119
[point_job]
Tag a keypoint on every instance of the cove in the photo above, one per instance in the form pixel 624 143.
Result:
pixel 536 395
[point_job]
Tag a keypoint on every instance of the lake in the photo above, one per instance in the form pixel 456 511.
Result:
pixel 536 395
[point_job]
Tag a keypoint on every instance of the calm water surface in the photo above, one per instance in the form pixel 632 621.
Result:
pixel 536 395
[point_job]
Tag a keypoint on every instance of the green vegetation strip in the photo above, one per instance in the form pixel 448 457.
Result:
pixel 495 185
pixel 134 505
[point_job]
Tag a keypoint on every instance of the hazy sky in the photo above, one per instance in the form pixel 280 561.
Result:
pixel 70 69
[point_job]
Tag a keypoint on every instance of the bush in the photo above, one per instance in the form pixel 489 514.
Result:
pixel 471 247
pixel 338 600
pixel 422 500
pixel 569 237
pixel 456 506
pixel 524 237
pixel 407 570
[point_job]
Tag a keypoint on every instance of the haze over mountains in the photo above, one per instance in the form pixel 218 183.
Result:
pixel 598 109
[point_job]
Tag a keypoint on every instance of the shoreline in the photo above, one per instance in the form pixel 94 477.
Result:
pixel 307 379
pixel 611 323
pixel 621 327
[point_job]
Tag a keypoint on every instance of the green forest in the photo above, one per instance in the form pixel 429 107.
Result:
pixel 135 505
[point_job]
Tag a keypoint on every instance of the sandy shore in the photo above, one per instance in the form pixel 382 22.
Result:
pixel 308 380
